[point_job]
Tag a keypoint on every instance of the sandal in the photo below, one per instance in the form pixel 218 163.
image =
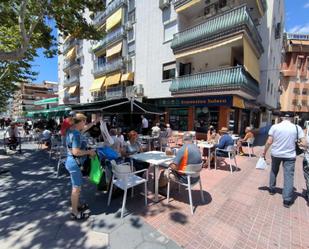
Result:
pixel 79 216
pixel 83 207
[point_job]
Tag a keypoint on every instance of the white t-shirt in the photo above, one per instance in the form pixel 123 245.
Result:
pixel 144 123
pixel 284 136
pixel 155 131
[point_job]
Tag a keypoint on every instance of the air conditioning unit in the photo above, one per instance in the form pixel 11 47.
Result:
pixel 129 26
pixel 164 4
pixel 139 90
pixel 127 59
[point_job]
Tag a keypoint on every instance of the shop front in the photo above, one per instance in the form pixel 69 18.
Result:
pixel 200 112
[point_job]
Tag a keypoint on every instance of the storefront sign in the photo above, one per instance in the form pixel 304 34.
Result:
pixel 202 101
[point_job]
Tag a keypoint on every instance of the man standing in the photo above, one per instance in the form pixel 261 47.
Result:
pixel 144 125
pixel 282 138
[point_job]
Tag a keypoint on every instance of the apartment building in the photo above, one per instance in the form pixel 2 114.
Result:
pixel 205 62
pixel 271 30
pixel 28 93
pixel 295 75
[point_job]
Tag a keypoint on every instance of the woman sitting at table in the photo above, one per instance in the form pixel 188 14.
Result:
pixel 244 141
pixel 212 136
pixel 131 147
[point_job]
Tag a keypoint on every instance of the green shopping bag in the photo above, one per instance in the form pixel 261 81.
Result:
pixel 96 171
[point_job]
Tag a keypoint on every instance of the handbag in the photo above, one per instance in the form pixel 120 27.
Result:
pixel 261 163
pixel 96 171
pixel 297 148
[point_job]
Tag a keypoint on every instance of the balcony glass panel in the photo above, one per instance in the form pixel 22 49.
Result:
pixel 100 18
pixel 109 38
pixel 226 23
pixel 108 67
pixel 114 6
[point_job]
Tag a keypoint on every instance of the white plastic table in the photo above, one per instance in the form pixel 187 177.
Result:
pixel 157 159
pixel 207 145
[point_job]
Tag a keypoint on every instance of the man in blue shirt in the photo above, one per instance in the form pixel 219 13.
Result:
pixel 225 141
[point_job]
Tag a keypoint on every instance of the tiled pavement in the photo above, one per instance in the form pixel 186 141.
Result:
pixel 238 213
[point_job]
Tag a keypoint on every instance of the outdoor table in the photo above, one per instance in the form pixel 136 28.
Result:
pixel 147 138
pixel 157 159
pixel 207 145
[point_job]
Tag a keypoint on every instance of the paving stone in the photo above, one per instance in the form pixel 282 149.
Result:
pixel 149 245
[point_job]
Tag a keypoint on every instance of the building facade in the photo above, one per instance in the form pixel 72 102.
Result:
pixel 204 62
pixel 28 93
pixel 295 75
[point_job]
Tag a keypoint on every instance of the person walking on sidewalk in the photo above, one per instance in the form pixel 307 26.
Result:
pixel 306 170
pixel 76 157
pixel 282 138
pixel 145 125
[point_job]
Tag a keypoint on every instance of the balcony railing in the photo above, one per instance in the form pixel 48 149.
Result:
pixel 71 64
pixel 233 78
pixel 71 100
pixel 109 38
pixel 217 27
pixel 114 6
pixel 68 45
pixel 110 66
pixel 100 18
pixel 71 80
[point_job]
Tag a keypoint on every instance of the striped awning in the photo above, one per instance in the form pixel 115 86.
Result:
pixel 114 19
pixel 112 79
pixel 72 89
pixel 188 5
pixel 97 84
pixel 127 77
pixel 114 50
pixel 71 54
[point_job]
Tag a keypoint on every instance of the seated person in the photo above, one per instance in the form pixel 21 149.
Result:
pixel 212 136
pixel 116 146
pixel 243 141
pixel 13 134
pixel 155 131
pixel 189 153
pixel 225 141
pixel 131 147
pixel 46 137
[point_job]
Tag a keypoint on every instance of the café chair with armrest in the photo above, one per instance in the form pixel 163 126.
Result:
pixel 124 178
pixel 230 153
pixel 192 170
pixel 250 142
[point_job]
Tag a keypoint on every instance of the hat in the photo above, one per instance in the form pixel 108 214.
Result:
pixel 187 136
pixel 224 130
pixel 72 114
pixel 287 114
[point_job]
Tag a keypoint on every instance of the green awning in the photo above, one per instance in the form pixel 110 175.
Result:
pixel 60 110
pixel 46 101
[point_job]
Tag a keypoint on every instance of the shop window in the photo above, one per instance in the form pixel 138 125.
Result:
pixel 169 70
pixel 204 117
pixel 179 119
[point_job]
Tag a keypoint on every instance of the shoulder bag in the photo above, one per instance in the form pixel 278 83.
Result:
pixel 297 148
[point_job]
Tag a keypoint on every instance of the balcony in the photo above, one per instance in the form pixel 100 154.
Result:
pixel 71 100
pixel 110 38
pixel 108 67
pixel 114 6
pixel 69 44
pixel 71 65
pixel 71 80
pixel 115 92
pixel 219 27
pixel 99 18
pixel 228 79
pixel 180 3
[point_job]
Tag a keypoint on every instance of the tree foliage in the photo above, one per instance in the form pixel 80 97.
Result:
pixel 24 29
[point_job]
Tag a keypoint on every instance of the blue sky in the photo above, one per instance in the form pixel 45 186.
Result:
pixel 296 21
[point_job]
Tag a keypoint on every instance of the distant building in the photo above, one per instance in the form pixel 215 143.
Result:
pixel 295 75
pixel 28 93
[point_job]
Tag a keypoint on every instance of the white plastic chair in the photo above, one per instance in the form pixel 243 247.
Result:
pixel 192 170
pixel 55 146
pixel 231 152
pixel 61 159
pixel 124 178
pixel 250 142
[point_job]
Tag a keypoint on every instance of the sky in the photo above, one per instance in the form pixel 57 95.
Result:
pixel 296 21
